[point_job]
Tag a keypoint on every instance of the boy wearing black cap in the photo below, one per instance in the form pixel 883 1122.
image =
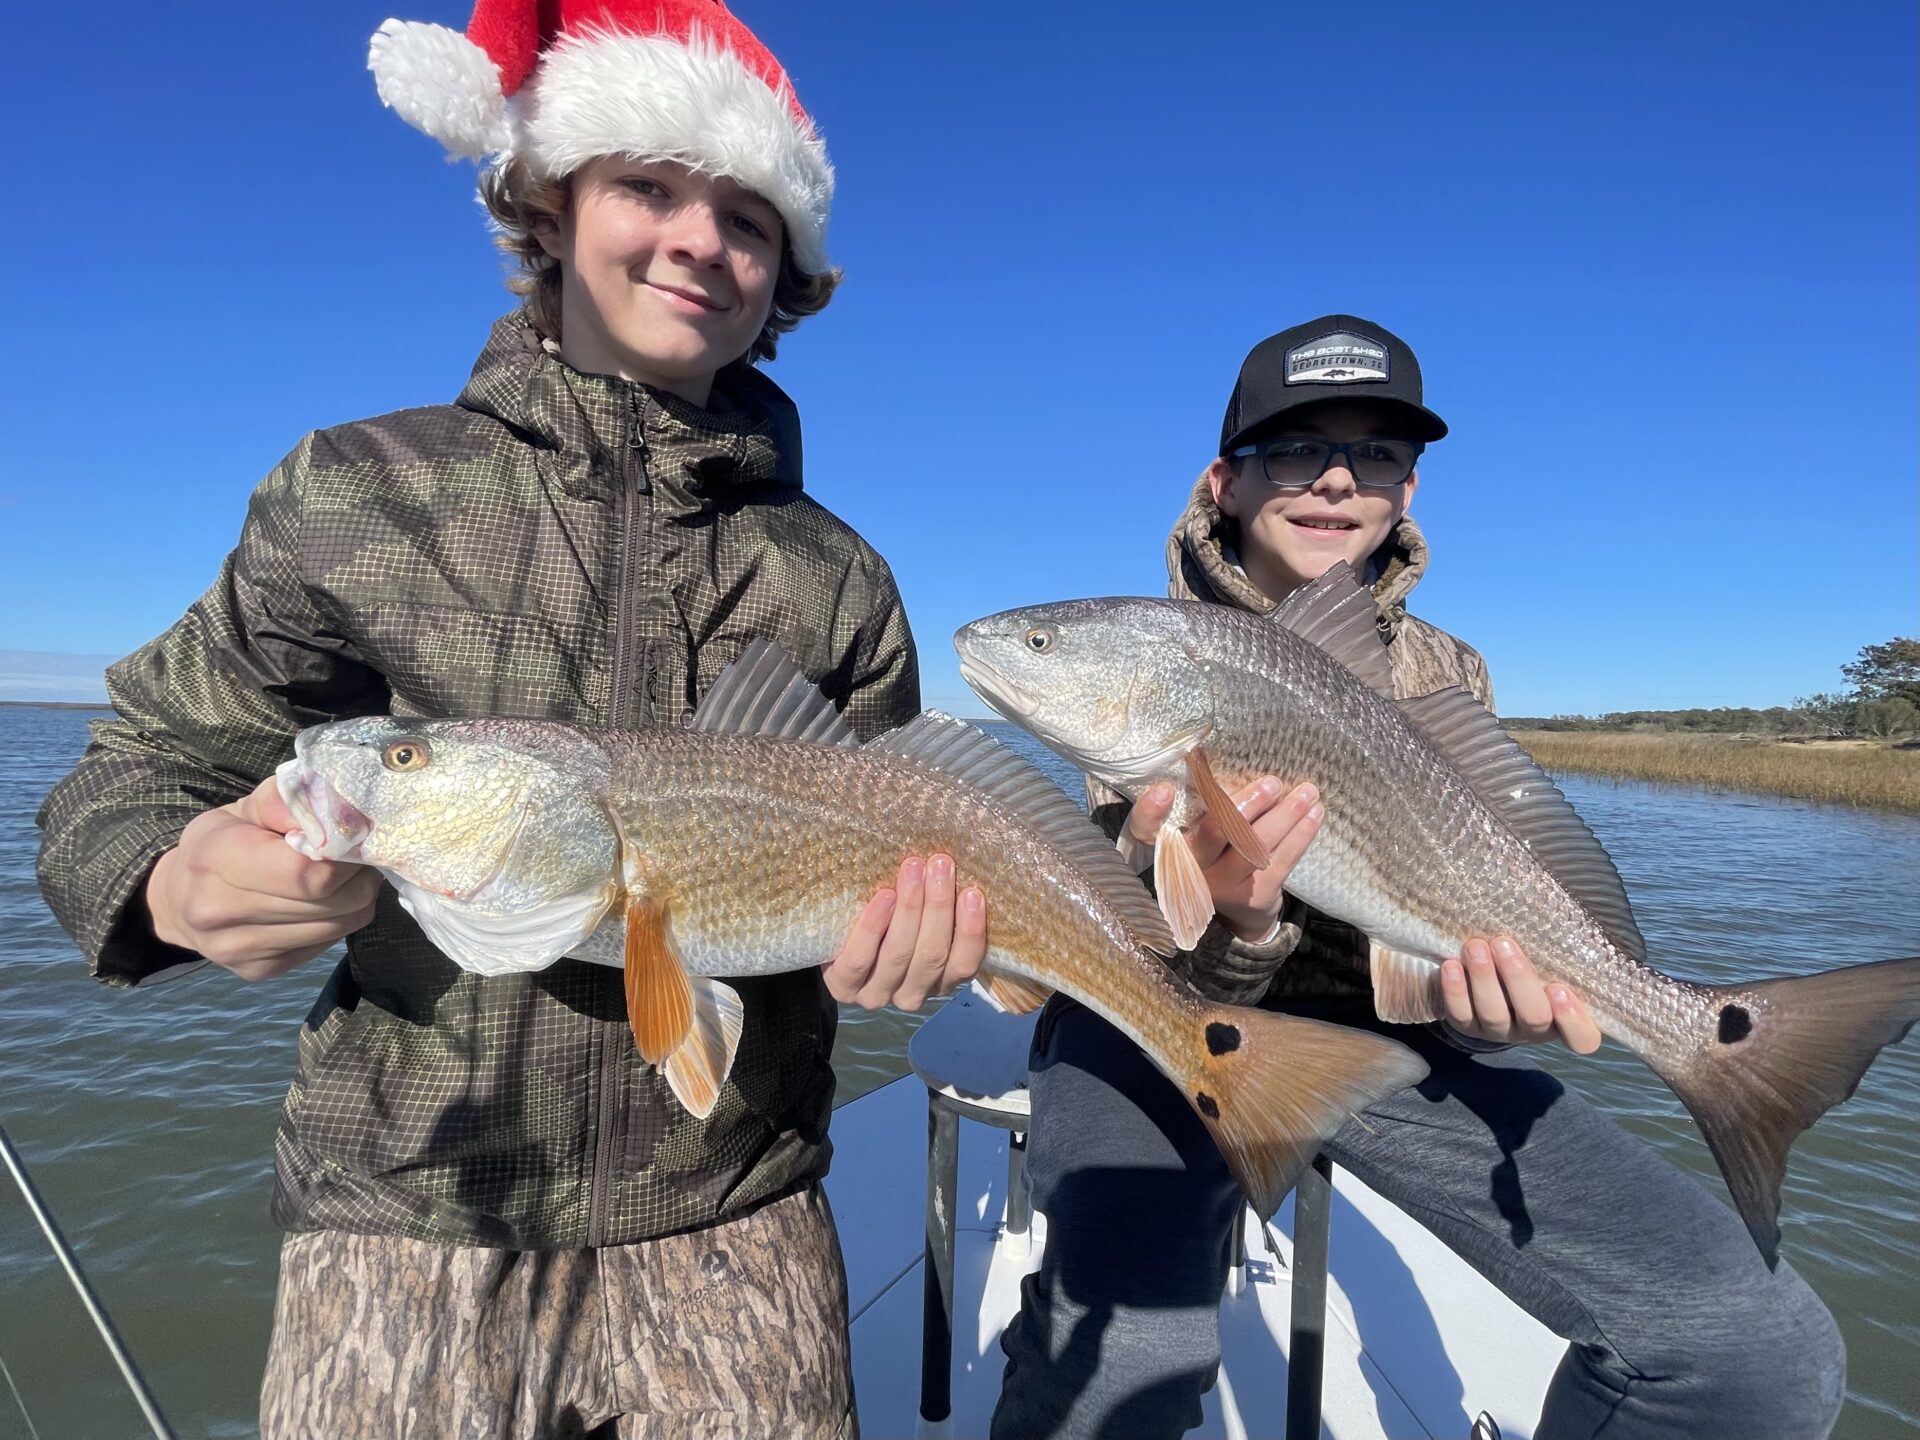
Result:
pixel 1676 1328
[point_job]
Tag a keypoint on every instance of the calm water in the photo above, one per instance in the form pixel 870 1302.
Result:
pixel 148 1117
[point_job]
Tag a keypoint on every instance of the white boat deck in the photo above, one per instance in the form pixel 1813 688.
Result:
pixel 1417 1343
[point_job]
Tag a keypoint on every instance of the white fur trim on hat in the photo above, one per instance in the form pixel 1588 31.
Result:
pixel 441 82
pixel 694 103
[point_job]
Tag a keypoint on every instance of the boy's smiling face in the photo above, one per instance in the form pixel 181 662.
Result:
pixel 1290 537
pixel 666 274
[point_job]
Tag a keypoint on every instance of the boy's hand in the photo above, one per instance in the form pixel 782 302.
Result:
pixel 1494 993
pixel 1248 900
pixel 234 891
pixel 915 940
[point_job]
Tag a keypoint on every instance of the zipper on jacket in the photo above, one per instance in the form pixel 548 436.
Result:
pixel 637 441
pixel 637 464
pixel 612 1057
pixel 632 535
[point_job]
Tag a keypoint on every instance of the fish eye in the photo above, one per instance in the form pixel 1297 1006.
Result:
pixel 1040 639
pixel 406 755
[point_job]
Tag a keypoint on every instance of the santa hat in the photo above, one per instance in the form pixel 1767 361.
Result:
pixel 558 82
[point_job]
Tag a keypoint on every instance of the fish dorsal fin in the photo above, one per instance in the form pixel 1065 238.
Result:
pixel 763 692
pixel 1504 776
pixel 970 755
pixel 1338 614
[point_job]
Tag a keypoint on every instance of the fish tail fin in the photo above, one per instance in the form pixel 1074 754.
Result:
pixel 1271 1088
pixel 700 1063
pixel 1783 1053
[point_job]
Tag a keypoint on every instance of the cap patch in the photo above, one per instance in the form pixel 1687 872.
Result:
pixel 1337 359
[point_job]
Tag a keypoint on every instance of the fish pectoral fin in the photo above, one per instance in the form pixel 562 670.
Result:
pixel 1233 826
pixel 1406 988
pixel 1014 994
pixel 1181 886
pixel 687 1025
pixel 659 990
pixel 700 1064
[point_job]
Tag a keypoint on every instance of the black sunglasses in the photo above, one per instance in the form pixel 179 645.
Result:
pixel 1294 462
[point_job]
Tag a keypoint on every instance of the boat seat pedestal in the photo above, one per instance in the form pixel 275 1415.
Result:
pixel 973 1061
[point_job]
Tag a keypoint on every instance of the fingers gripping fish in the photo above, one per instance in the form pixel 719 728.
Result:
pixel 748 842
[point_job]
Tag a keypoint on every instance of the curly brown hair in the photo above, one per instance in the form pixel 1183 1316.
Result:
pixel 519 201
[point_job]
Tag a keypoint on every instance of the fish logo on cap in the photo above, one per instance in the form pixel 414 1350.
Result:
pixel 1341 358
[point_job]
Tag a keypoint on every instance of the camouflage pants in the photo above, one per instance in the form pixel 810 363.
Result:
pixel 738 1331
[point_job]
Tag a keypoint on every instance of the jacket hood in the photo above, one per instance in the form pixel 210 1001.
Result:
pixel 747 435
pixel 1203 562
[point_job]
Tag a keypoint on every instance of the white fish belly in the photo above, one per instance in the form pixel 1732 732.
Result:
pixel 1334 879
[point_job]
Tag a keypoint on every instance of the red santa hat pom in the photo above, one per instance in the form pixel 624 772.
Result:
pixel 560 84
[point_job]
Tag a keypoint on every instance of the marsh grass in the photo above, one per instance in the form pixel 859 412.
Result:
pixel 1864 773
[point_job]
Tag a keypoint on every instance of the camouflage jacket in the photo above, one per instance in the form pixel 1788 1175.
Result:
pixel 1324 956
pixel 556 546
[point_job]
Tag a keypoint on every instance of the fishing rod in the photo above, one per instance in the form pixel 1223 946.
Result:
pixel 70 1262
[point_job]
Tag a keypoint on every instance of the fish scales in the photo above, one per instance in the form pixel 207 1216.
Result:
pixel 766 846
pixel 1410 851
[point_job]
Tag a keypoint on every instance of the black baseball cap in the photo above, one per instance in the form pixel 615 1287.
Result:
pixel 1337 357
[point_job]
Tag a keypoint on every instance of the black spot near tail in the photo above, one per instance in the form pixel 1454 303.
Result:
pixel 1735 1024
pixel 1222 1038
pixel 1209 1107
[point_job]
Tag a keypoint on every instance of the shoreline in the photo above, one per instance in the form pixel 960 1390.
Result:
pixel 1866 775
pixel 1862 774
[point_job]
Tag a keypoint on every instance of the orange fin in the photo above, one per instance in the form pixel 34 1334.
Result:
pixel 1181 886
pixel 659 993
pixel 1271 1089
pixel 1014 994
pixel 1234 827
pixel 700 1064
pixel 1406 988
pixel 1775 1055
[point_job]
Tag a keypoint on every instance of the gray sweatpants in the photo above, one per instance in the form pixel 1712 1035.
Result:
pixel 1678 1329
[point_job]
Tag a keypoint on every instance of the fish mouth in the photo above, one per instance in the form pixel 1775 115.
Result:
pixel 1009 700
pixel 328 826
pixel 1002 694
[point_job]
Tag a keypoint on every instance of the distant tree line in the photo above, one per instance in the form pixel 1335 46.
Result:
pixel 1724 720
pixel 1883 702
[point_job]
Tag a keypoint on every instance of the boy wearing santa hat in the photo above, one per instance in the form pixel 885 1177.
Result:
pixel 500 1220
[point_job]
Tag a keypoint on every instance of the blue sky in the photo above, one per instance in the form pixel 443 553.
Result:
pixel 1658 262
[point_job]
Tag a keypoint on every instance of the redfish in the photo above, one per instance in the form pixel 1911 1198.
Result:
pixel 1438 828
pixel 748 842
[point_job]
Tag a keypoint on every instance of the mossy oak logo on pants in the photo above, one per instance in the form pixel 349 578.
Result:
pixel 1337 359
